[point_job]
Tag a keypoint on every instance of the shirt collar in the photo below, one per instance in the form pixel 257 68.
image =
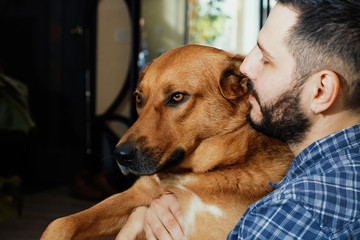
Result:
pixel 337 141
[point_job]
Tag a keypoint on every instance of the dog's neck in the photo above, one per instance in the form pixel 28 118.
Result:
pixel 220 151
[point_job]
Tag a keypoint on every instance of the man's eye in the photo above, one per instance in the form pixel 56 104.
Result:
pixel 264 61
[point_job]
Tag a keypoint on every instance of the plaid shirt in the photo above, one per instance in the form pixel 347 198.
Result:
pixel 319 197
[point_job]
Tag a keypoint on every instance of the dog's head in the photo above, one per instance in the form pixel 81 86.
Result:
pixel 184 97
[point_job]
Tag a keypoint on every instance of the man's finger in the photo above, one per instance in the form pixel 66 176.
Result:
pixel 134 227
pixel 176 210
pixel 163 219
pixel 154 225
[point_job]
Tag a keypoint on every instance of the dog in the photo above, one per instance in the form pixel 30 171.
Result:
pixel 191 139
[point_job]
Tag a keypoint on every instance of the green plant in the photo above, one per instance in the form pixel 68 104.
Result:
pixel 10 197
pixel 14 118
pixel 14 107
pixel 206 22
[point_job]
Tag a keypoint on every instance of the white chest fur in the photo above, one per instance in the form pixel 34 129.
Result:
pixel 197 207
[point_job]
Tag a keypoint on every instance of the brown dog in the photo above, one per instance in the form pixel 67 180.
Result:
pixel 191 139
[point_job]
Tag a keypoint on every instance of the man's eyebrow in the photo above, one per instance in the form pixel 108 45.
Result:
pixel 262 49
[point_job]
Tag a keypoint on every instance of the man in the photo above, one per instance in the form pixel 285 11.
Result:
pixel 305 90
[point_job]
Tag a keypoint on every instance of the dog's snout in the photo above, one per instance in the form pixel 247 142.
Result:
pixel 124 153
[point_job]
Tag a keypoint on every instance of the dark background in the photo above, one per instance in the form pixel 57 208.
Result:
pixel 50 46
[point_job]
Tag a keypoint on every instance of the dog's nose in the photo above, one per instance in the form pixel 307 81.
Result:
pixel 124 153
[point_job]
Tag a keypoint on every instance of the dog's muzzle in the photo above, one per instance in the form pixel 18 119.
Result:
pixel 131 160
pixel 139 161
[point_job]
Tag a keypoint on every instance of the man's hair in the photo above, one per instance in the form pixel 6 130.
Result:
pixel 327 36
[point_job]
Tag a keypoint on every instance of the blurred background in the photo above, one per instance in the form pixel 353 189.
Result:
pixel 67 73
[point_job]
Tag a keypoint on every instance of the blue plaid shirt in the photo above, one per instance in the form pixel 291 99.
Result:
pixel 319 197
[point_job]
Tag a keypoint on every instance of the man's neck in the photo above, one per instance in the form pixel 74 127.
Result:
pixel 324 125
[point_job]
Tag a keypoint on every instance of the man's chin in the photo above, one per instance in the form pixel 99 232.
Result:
pixel 255 116
pixel 255 121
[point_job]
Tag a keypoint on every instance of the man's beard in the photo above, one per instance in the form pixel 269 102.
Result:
pixel 282 120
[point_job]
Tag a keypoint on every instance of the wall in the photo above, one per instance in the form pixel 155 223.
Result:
pixel 113 52
pixel 164 25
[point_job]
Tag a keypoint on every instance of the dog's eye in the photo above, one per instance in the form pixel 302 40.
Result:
pixel 138 99
pixel 176 98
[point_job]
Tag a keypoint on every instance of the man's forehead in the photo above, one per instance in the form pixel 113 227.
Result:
pixel 281 15
pixel 276 28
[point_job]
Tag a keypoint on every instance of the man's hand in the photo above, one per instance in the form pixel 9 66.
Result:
pixel 164 220
pixel 134 227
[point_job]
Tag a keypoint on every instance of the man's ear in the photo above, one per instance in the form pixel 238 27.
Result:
pixel 232 82
pixel 325 90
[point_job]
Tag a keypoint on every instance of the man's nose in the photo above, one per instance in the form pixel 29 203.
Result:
pixel 251 66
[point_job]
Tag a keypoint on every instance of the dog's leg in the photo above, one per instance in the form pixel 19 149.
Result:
pixel 106 218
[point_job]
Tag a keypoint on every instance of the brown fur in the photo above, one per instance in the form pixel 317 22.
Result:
pixel 227 164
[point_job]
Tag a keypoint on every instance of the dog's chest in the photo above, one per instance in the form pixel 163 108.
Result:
pixel 193 207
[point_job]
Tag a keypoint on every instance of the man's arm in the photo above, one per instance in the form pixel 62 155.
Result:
pixel 285 219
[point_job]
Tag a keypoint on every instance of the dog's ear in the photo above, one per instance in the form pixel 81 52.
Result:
pixel 232 81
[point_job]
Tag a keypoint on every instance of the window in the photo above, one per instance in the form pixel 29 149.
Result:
pixel 232 25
